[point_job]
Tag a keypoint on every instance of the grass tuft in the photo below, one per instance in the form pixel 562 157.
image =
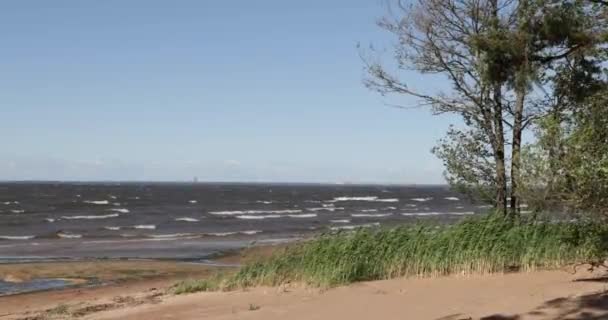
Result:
pixel 485 244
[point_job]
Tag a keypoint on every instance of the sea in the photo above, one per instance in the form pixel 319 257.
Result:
pixel 57 221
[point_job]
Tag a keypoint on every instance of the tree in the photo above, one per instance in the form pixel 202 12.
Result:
pixel 499 55
pixel 437 37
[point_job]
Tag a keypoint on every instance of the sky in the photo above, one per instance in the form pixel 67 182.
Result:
pixel 266 90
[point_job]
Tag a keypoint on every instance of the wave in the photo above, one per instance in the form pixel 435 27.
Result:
pixel 187 219
pixel 116 204
pixel 105 216
pixel 9 202
pixel 413 214
pixel 112 228
pixel 233 213
pixel 366 198
pixel 121 210
pixel 331 209
pixel 340 221
pixel 224 234
pixel 451 198
pixel 193 201
pixel 69 235
pixel 171 235
pixel 17 211
pixel 304 215
pixel 264 202
pixel 50 220
pixel 367 225
pixel 112 197
pixel 390 208
pixel 437 213
pixel 97 201
pixel 17 237
pixel 411 205
pixel 369 210
pixel 250 217
pixel 370 215
pixel 422 199
pixel 144 226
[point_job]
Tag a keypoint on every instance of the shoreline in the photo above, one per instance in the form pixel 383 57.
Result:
pixel 538 295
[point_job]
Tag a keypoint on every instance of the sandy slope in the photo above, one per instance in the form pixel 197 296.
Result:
pixel 539 295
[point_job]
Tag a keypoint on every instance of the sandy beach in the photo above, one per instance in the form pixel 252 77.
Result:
pixel 538 295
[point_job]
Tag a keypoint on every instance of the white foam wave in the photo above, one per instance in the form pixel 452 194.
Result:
pixel 187 219
pixel 437 213
pixel 17 211
pixel 17 237
pixel 264 202
pixel 246 212
pixel 410 214
pixel 224 234
pixel 451 198
pixel 170 236
pixel 116 204
pixel 466 213
pixel 390 208
pixel 121 210
pixel 304 215
pixel 112 197
pixel 366 198
pixel 8 202
pixel 145 226
pixel 369 210
pixel 411 205
pixel 370 215
pixel 193 201
pixel 250 232
pixel 97 201
pixel 340 221
pixel 250 217
pixel 331 209
pixel 367 225
pixel 422 199
pixel 112 228
pixel 69 235
pixel 104 216
pixel 50 219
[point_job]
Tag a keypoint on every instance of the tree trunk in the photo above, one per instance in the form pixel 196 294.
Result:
pixel 499 153
pixel 516 149
pixel 499 148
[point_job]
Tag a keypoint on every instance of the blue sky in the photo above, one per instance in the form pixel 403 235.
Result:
pixel 265 90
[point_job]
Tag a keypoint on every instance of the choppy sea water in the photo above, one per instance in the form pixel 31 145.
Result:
pixel 49 221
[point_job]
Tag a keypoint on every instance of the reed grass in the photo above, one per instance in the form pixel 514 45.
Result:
pixel 486 244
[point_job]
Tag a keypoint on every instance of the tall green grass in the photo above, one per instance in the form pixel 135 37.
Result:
pixel 476 245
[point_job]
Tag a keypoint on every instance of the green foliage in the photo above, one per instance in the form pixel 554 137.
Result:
pixel 469 164
pixel 476 245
